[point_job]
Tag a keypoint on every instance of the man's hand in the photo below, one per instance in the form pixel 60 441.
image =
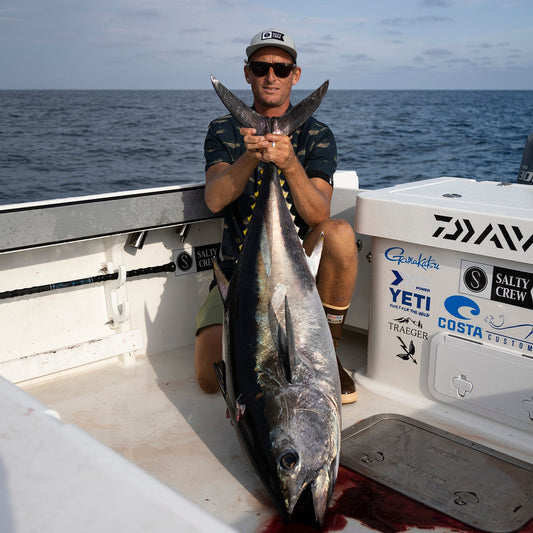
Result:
pixel 269 148
pixel 255 144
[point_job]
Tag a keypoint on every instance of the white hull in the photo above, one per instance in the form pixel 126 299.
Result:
pixel 116 360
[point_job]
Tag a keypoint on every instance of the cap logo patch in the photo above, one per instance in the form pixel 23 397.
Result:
pixel 272 35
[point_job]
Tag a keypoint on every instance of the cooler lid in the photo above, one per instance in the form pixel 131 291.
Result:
pixel 479 217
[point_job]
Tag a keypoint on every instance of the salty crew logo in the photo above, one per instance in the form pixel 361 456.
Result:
pixel 272 35
pixel 462 230
pixel 504 285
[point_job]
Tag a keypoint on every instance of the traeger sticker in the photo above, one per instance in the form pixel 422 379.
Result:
pixel 190 260
pixel 408 352
pixel 416 301
pixel 502 236
pixel 407 326
pixel 504 285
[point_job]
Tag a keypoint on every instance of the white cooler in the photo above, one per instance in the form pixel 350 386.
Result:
pixel 452 294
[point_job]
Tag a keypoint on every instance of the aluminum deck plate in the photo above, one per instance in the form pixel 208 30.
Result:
pixel 472 483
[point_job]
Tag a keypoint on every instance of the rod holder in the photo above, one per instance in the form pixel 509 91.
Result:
pixel 136 240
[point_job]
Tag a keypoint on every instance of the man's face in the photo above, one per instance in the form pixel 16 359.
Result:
pixel 270 92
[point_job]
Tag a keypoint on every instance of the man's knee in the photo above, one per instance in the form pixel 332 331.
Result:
pixel 339 239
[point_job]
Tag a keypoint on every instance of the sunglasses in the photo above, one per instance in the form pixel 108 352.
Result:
pixel 281 70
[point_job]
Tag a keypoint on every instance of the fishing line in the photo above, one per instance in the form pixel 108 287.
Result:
pixel 169 267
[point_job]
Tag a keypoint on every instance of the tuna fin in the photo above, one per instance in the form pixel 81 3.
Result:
pixel 290 337
pixel 222 282
pixel 296 116
pixel 313 261
pixel 243 114
pixel 286 344
pixel 220 372
pixel 282 331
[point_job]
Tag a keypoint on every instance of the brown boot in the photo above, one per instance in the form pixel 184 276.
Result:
pixel 336 318
pixel 348 390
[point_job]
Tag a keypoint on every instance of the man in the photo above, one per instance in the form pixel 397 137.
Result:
pixel 235 161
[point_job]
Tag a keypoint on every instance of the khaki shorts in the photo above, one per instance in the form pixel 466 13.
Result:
pixel 212 310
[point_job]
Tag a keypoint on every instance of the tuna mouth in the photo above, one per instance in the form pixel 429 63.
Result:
pixel 304 509
pixel 312 502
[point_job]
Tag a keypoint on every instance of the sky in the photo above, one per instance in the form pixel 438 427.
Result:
pixel 177 44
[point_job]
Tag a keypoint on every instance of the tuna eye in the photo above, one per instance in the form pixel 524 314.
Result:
pixel 288 460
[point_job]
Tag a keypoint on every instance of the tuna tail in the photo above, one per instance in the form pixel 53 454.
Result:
pixel 296 116
pixel 243 114
pixel 285 125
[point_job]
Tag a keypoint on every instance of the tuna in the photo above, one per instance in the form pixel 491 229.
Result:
pixel 279 373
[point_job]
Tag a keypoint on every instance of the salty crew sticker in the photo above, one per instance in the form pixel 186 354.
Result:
pixel 504 285
pixel 195 259
pixel 266 35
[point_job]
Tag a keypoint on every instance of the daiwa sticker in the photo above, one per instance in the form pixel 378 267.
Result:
pixel 464 230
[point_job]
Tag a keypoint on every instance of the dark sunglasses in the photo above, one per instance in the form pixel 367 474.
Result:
pixel 281 70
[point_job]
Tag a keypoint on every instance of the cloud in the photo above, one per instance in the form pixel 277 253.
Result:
pixel 402 22
pixel 357 57
pixel 436 3
pixel 438 52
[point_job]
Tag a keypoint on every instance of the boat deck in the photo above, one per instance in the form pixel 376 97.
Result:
pixel 153 413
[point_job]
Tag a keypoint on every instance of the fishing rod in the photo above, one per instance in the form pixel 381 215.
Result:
pixel 169 267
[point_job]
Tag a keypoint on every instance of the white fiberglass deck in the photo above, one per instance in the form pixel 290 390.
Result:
pixel 153 413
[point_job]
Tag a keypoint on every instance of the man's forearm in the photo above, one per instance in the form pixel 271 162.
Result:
pixel 312 204
pixel 225 183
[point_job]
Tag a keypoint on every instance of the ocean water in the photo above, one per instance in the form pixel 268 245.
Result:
pixel 57 144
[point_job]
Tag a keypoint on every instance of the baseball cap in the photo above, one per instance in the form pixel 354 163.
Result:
pixel 272 38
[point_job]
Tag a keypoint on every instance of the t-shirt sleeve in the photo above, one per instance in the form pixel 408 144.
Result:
pixel 220 142
pixel 321 160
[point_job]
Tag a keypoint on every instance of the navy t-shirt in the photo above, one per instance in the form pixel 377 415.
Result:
pixel 314 146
